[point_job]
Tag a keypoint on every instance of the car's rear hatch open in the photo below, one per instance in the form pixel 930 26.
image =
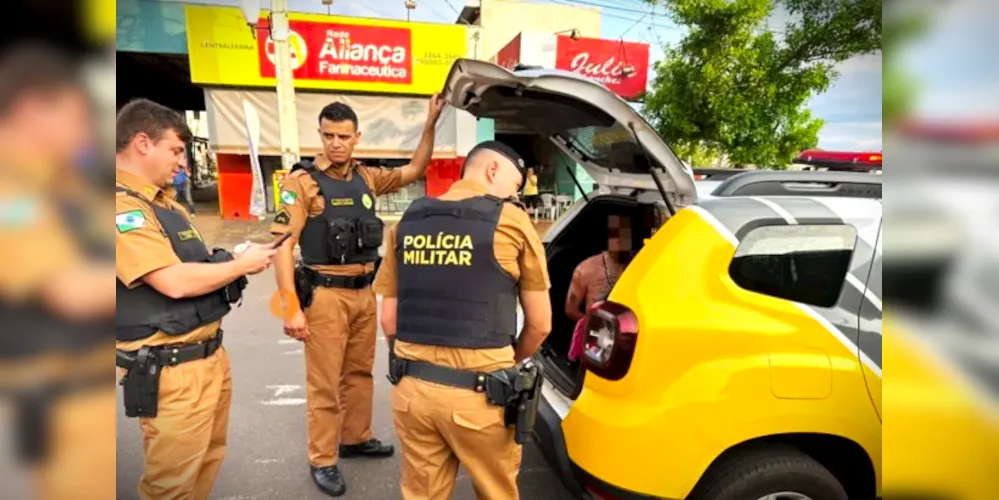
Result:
pixel 588 122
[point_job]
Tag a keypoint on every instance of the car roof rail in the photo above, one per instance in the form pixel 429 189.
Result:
pixel 717 174
pixel 784 183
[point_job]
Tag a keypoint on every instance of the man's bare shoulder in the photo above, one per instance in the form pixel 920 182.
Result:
pixel 591 264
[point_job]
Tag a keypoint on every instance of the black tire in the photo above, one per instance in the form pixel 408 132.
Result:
pixel 756 474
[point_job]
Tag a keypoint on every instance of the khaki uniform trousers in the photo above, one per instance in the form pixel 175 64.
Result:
pixel 79 458
pixel 339 359
pixel 82 459
pixel 186 442
pixel 443 427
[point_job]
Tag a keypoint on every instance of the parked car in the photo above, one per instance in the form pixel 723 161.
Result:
pixel 739 355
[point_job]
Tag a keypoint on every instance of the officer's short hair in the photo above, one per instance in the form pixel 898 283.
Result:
pixel 143 116
pixel 497 147
pixel 34 68
pixel 338 112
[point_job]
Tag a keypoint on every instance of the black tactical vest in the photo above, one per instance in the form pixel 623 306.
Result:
pixel 348 231
pixel 36 330
pixel 142 310
pixel 452 291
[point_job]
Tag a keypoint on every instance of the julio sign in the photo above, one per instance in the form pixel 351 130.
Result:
pixel 328 52
pixel 621 66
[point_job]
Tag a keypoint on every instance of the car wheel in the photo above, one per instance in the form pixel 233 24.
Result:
pixel 770 474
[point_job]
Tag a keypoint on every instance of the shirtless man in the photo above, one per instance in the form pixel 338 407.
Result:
pixel 595 277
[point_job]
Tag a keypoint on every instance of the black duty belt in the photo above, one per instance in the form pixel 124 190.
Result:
pixel 350 282
pixel 172 355
pixel 475 381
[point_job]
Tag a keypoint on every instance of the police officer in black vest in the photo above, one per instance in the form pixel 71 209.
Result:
pixel 172 295
pixel 328 206
pixel 465 389
pixel 56 300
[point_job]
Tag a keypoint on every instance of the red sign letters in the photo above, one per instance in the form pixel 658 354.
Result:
pixel 622 67
pixel 346 52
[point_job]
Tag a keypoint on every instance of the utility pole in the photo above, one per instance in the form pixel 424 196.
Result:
pixel 287 112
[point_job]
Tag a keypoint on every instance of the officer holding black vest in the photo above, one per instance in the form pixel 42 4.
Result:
pixel 172 293
pixel 465 390
pixel 328 207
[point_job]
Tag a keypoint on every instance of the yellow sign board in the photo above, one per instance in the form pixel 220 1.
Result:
pixel 328 52
pixel 100 20
pixel 277 182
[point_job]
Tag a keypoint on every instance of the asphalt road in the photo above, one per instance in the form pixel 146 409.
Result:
pixel 266 457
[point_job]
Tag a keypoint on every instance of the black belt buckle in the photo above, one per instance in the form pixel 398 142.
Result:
pixel 213 345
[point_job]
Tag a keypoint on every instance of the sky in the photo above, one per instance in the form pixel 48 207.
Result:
pixel 954 63
pixel 851 108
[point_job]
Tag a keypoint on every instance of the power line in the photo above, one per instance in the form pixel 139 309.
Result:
pixel 613 7
pixel 456 11
pixel 633 25
pixel 437 13
pixel 622 17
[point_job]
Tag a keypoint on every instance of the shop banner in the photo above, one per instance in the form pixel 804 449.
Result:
pixel 509 56
pixel 390 126
pixel 258 207
pixel 328 52
pixel 623 67
pixel 277 184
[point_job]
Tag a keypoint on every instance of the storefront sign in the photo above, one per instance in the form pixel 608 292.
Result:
pixel 621 66
pixel 277 182
pixel 509 56
pixel 328 52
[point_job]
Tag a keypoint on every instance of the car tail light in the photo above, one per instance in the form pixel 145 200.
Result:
pixel 610 339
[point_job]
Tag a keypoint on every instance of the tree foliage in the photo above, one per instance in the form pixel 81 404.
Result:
pixel 733 85
pixel 905 24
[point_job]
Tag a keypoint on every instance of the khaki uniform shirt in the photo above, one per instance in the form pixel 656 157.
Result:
pixel 518 250
pixel 305 203
pixel 36 248
pixel 146 249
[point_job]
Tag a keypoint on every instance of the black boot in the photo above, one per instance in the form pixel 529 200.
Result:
pixel 372 449
pixel 330 480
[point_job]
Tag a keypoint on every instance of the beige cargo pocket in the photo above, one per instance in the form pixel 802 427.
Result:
pixel 400 403
pixel 477 420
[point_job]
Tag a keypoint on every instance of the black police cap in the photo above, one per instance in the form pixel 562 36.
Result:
pixel 504 150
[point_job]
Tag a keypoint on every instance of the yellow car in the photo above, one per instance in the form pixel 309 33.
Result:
pixel 739 355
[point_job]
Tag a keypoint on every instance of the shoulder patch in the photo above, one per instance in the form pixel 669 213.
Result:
pixel 288 198
pixel 282 217
pixel 18 212
pixel 129 221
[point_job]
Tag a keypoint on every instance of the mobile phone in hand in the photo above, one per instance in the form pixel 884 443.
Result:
pixel 280 241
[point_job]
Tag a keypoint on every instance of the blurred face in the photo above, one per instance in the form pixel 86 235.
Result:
pixel 502 177
pixel 58 123
pixel 161 160
pixel 619 243
pixel 339 140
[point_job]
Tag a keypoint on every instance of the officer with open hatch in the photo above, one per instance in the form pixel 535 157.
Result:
pixel 328 208
pixel 465 391
pixel 172 294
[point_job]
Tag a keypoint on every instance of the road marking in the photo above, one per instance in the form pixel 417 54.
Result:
pixel 287 341
pixel 285 402
pixel 296 351
pixel 281 390
pixel 266 461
